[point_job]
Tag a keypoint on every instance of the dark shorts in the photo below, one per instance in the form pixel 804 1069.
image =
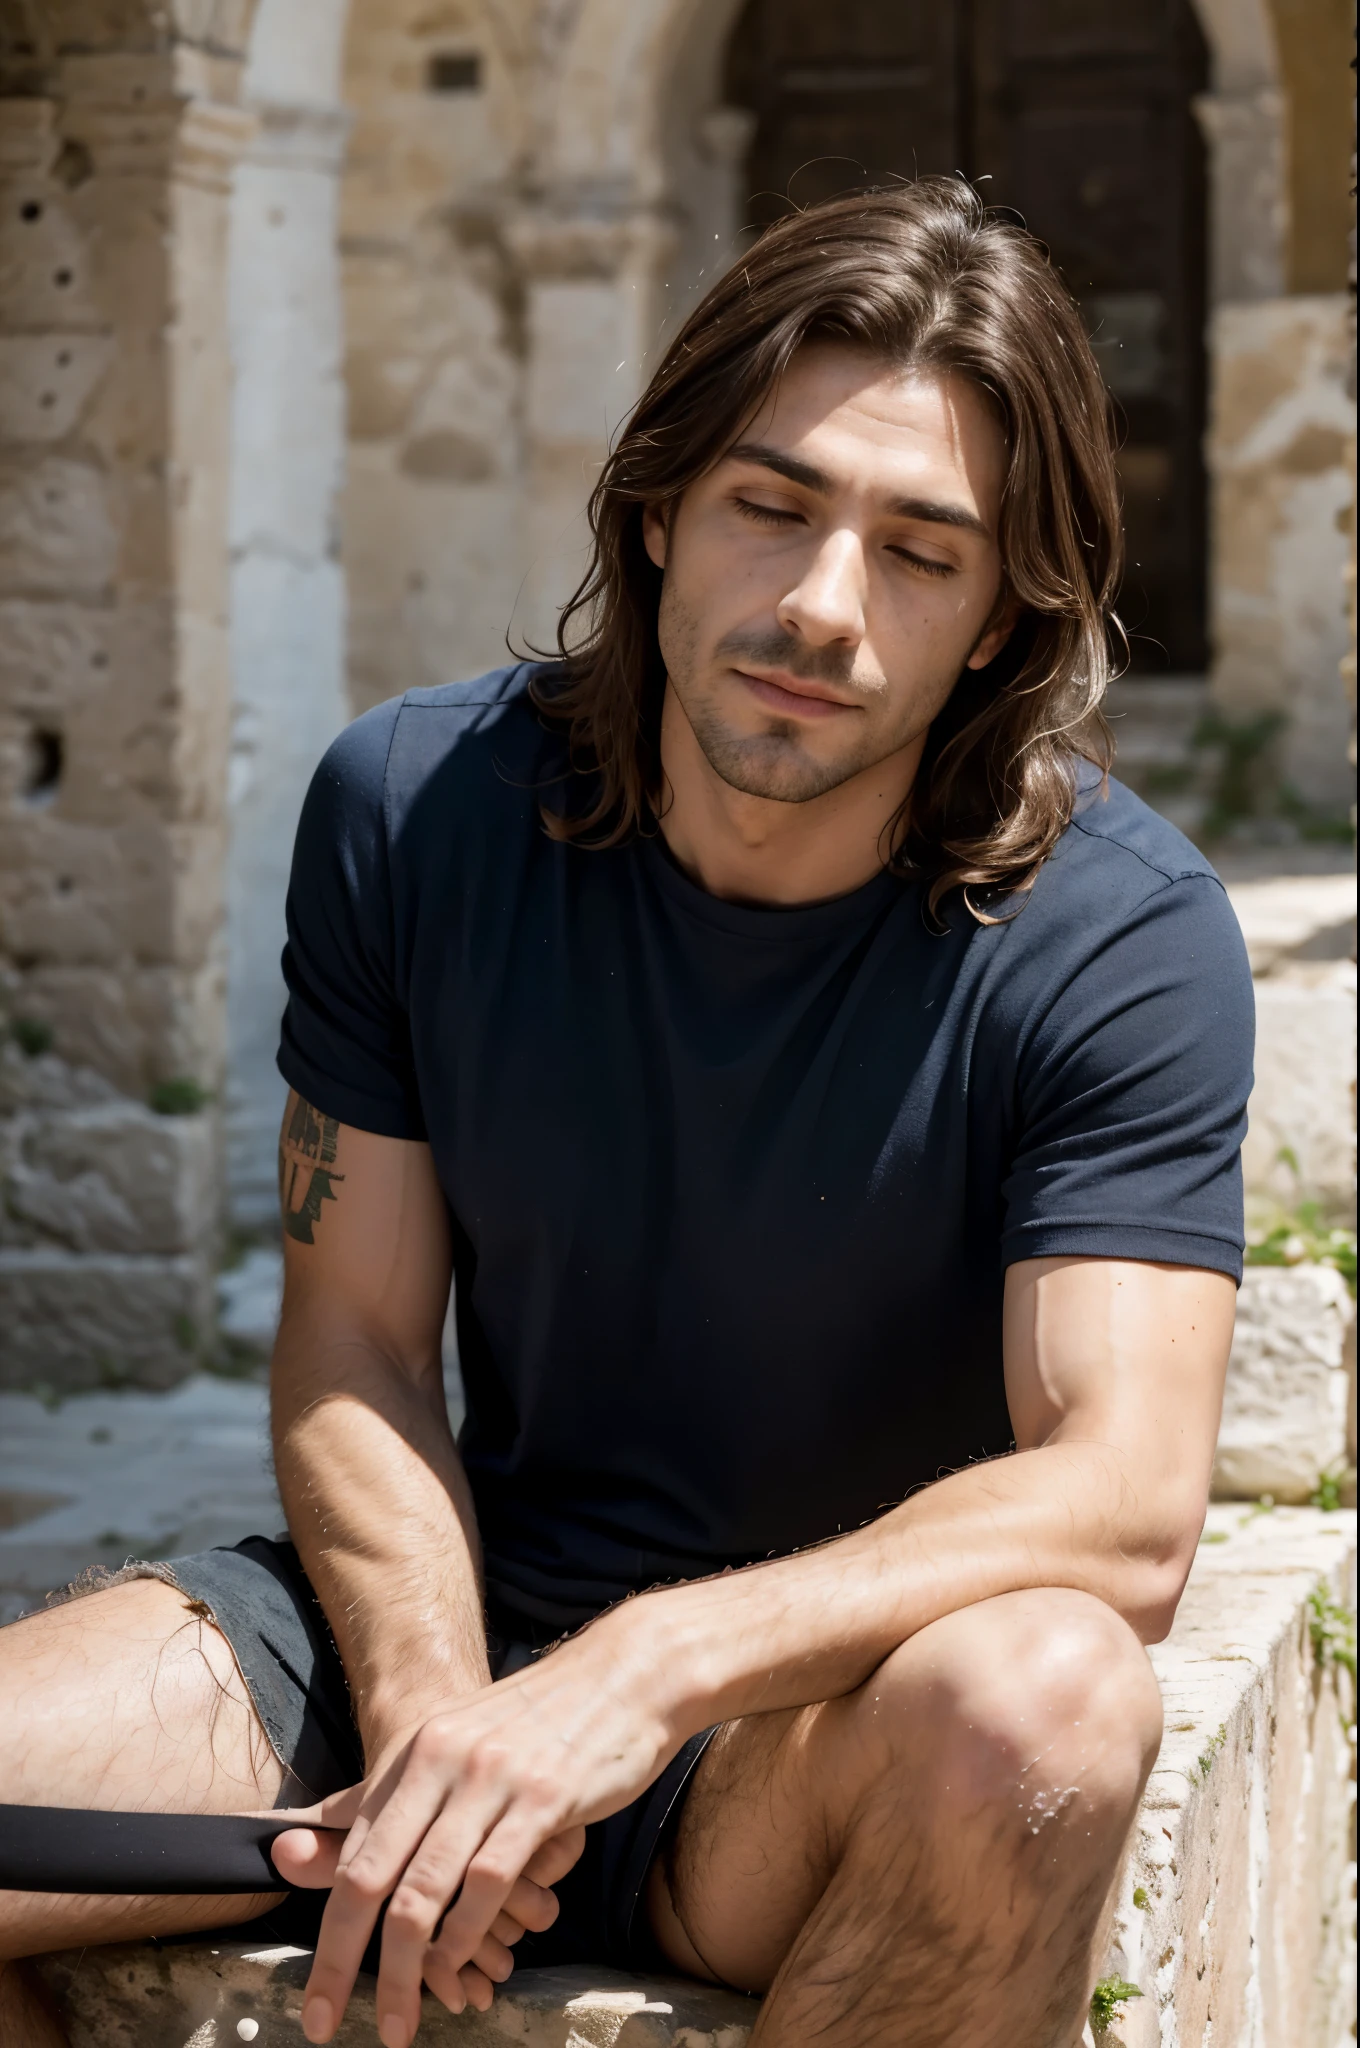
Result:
pixel 262 1600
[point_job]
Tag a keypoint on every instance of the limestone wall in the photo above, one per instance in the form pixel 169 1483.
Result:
pixel 287 588
pixel 117 142
pixel 1279 453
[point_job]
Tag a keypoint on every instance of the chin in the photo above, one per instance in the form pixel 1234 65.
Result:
pixel 772 767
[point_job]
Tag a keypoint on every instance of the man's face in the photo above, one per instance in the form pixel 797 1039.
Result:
pixel 828 581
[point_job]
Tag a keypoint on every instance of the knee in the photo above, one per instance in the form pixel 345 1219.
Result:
pixel 1036 1697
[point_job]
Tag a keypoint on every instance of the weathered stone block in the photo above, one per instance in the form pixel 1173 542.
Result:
pixel 1282 492
pixel 110 1178
pixel 1301 1120
pixel 205 1995
pixel 72 1320
pixel 57 535
pixel 1286 1403
pixel 1236 1913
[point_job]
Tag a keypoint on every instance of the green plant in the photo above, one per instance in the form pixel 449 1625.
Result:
pixel 32 1036
pixel 1301 1238
pixel 186 1332
pixel 1109 1994
pixel 1332 1484
pixel 1332 1629
pixel 1205 1760
pixel 1141 1899
pixel 1242 769
pixel 1213 1536
pixel 178 1097
pixel 1313 823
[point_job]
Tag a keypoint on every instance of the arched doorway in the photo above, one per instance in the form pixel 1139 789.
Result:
pixel 1078 113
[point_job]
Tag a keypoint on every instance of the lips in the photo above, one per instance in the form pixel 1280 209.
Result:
pixel 792 696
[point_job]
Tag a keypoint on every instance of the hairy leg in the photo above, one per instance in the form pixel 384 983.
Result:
pixel 929 1860
pixel 130 1700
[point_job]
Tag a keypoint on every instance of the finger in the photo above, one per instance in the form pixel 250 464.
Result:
pixel 307 1857
pixel 336 1810
pixel 459 1988
pixel 418 1904
pixel 556 1857
pixel 489 1880
pixel 479 1989
pixel 532 1905
pixel 385 1836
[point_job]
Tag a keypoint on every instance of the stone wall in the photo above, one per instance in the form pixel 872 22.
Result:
pixel 1279 451
pixel 287 586
pixel 117 142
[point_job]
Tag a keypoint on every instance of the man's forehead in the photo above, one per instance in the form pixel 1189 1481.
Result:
pixel 841 418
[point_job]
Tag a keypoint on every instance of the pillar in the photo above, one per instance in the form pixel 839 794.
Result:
pixel 115 168
pixel 287 588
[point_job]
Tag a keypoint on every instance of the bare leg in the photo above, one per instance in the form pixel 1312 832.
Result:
pixel 928 1861
pixel 128 1700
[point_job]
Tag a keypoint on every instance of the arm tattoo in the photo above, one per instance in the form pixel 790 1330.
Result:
pixel 306 1168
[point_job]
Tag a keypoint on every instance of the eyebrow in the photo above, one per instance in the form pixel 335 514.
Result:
pixel 811 478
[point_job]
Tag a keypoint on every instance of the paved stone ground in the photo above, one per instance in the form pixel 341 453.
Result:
pixel 100 1478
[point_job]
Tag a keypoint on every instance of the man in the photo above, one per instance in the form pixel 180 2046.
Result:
pixel 825 1089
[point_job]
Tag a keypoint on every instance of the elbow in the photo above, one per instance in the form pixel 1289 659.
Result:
pixel 1155 1583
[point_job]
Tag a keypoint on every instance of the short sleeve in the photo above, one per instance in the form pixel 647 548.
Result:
pixel 345 1042
pixel 1132 1094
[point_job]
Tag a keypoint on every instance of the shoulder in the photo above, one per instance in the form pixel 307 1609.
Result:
pixel 387 758
pixel 1119 862
pixel 1125 902
pixel 1132 836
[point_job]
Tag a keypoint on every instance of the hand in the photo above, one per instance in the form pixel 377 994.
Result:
pixel 495 1788
pixel 310 1860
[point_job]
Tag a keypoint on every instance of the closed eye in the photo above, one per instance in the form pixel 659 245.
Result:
pixel 920 562
pixel 765 515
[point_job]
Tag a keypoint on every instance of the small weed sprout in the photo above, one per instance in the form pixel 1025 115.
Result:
pixel 1109 1994
pixel 1204 1762
pixel 1332 1629
pixel 1332 1483
pixel 1301 1238
pixel 178 1097
pixel 1140 1898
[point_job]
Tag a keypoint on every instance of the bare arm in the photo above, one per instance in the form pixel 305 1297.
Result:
pixel 1114 1373
pixel 368 1470
pixel 371 1481
pixel 1114 1376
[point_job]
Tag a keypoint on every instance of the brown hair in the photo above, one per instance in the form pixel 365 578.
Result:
pixel 925 275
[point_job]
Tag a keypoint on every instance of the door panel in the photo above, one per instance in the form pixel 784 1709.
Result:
pixel 1078 114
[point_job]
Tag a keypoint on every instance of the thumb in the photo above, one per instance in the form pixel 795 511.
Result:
pixel 307 1856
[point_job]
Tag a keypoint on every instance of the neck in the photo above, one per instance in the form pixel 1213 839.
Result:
pixel 750 849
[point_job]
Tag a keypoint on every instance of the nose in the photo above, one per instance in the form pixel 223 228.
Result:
pixel 826 605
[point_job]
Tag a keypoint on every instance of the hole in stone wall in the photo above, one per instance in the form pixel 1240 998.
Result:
pixel 45 758
pixel 30 210
pixel 61 277
pixel 74 165
pixel 454 71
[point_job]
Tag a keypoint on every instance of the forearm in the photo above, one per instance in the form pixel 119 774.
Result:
pixel 380 1510
pixel 816 1625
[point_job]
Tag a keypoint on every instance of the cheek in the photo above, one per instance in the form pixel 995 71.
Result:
pixel 677 631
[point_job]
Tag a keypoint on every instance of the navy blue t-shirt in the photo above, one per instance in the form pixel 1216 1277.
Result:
pixel 733 1190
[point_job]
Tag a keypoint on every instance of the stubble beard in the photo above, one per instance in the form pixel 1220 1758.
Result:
pixel 774 763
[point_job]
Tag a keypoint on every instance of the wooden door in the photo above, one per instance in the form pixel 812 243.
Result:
pixel 1077 113
pixel 847 93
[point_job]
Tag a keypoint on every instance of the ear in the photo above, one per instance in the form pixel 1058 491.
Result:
pixel 654 533
pixel 1004 621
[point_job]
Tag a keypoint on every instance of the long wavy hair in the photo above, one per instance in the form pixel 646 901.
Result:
pixel 928 278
